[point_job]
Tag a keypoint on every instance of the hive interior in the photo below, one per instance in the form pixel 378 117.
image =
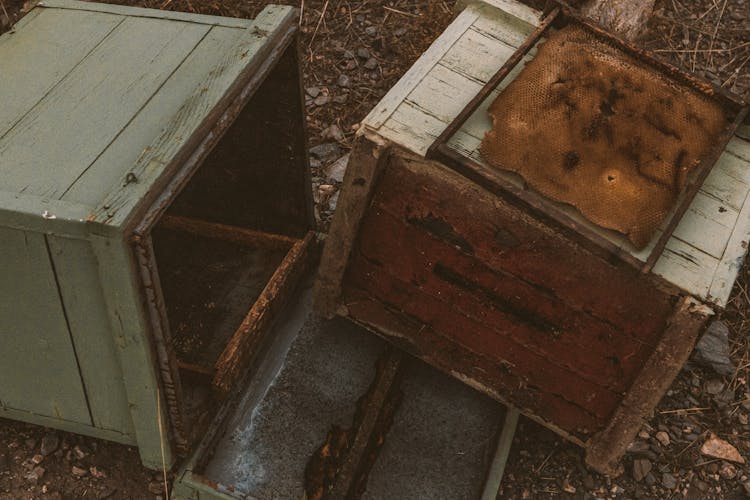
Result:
pixel 588 125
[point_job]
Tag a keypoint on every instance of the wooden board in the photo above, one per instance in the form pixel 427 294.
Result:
pixel 706 249
pixel 43 366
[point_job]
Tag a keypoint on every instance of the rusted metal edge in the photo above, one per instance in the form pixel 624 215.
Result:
pixel 605 449
pixel 231 364
pixel 368 159
pixel 354 467
pixel 162 343
pixel 692 189
pixel 233 234
pixel 493 82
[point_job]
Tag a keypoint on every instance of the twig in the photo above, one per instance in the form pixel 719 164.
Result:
pixel 396 11
pixel 684 410
pixel 320 20
pixel 716 30
pixel 2 4
pixel 301 11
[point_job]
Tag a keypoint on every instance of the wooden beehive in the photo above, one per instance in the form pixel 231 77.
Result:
pixel 462 274
pixel 155 211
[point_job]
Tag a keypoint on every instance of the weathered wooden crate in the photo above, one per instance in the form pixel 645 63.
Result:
pixel 468 278
pixel 155 212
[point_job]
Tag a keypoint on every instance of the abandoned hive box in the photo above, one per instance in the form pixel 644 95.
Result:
pixel 463 266
pixel 155 212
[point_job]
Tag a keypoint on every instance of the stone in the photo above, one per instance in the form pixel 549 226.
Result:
pixel 50 443
pixel 363 53
pixel 79 471
pixel 37 459
pixel 663 438
pixel 716 447
pixel 371 31
pixel 668 481
pixel 333 132
pixel 156 487
pixel 334 201
pixel 97 473
pixel 35 475
pixel 344 81
pixel 638 447
pixel 336 170
pixel 714 386
pixel 371 63
pixel 567 487
pixel 641 468
pixel 80 452
pixel 321 100
pixel 712 350
pixel 313 91
pixel 727 471
pixel 326 152
pixel 341 99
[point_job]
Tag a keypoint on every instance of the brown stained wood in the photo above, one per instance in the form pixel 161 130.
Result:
pixel 365 163
pixel 468 366
pixel 247 237
pixel 479 337
pixel 513 308
pixel 507 239
pixel 197 369
pixel 231 365
pixel 606 448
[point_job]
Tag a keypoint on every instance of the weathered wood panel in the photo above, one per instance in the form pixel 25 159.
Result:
pixel 39 356
pixel 36 59
pixel 82 298
pixel 101 95
pixel 491 281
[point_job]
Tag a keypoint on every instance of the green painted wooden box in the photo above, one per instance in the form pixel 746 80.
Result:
pixel 153 189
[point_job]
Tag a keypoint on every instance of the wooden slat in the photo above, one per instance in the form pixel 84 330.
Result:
pixel 234 360
pixel 513 8
pixel 686 267
pixel 39 369
pixel 37 58
pixel 247 237
pixel 477 55
pixel 101 95
pixel 82 297
pixel 129 11
pixel 110 167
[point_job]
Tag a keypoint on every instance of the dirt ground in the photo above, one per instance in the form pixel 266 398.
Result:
pixel 354 52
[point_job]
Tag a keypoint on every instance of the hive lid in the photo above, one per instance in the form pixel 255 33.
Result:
pixel 99 101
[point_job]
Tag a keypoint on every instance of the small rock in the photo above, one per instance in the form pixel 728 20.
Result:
pixel 638 447
pixel 737 15
pixel 344 81
pixel 97 473
pixel 79 471
pixel 746 487
pixel 80 452
pixel 37 459
pixel 668 481
pixel 106 492
pixel 650 479
pixel 30 443
pixel 742 418
pixel 714 386
pixel 371 31
pixel 333 132
pixel 718 448
pixel 341 99
pixel 156 487
pixel 641 467
pixel 712 350
pixel 399 32
pixel 363 53
pixel 700 485
pixel 727 470
pixel 50 443
pixel 321 100
pixel 313 91
pixel 326 152
pixel 336 170
pixel 663 438
pixel 334 201
pixel 371 63
pixel 643 434
pixel 35 475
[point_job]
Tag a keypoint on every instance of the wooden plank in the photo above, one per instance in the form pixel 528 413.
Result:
pixel 506 26
pixel 126 10
pixel 36 59
pixel 242 347
pixel 388 104
pixel 42 215
pixel 365 165
pixel 605 450
pixel 707 225
pixel 413 128
pixel 213 230
pixel 187 138
pixel 134 351
pixel 686 267
pixel 477 55
pixel 513 8
pixel 40 369
pixel 502 452
pixel 443 93
pixel 82 298
pixel 80 114
pixel 111 166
